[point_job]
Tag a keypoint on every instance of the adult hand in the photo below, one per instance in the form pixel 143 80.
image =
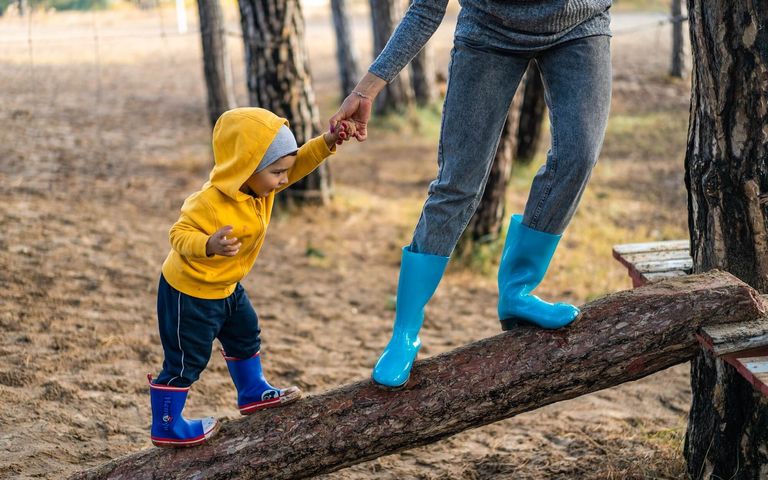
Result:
pixel 357 110
pixel 343 132
pixel 219 244
pixel 357 106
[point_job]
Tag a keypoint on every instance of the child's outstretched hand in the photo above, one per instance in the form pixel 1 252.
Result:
pixel 343 132
pixel 219 244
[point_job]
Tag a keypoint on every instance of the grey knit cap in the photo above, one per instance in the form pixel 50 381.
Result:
pixel 283 144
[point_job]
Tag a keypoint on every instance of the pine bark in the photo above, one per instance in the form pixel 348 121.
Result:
pixel 346 53
pixel 397 96
pixel 278 75
pixel 532 113
pixel 216 65
pixel 727 181
pixel 619 338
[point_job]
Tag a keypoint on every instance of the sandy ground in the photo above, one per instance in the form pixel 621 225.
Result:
pixel 104 134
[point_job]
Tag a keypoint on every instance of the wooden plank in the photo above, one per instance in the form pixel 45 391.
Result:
pixel 728 339
pixel 657 256
pixel 648 247
pixel 641 257
pixel 753 369
pixel 743 345
pixel 655 277
pixel 637 279
pixel 685 264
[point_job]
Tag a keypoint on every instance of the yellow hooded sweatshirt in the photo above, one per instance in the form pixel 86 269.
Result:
pixel 240 139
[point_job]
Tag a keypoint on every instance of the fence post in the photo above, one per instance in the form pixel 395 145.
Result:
pixel 678 61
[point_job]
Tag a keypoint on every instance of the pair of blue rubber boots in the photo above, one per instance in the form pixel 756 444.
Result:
pixel 171 429
pixel 524 262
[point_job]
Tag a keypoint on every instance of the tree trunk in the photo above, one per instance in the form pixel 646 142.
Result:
pixel 677 66
pixel 486 224
pixel 346 53
pixel 619 338
pixel 531 115
pixel 397 95
pixel 277 69
pixel 216 64
pixel 423 78
pixel 22 6
pixel 727 181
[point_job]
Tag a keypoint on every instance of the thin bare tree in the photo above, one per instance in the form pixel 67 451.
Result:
pixel 398 94
pixel 532 112
pixel 346 53
pixel 216 65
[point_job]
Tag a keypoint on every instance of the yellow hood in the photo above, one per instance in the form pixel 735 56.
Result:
pixel 240 139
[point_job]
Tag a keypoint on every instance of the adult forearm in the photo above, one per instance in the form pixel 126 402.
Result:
pixel 370 85
pixel 416 28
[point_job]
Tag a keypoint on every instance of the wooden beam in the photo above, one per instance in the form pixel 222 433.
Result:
pixel 654 261
pixel 744 346
pixel 734 338
pixel 621 337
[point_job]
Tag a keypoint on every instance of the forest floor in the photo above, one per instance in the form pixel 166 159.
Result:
pixel 104 133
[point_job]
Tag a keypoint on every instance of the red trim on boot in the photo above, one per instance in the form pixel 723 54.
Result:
pixel 235 359
pixel 253 406
pixel 158 386
pixel 189 442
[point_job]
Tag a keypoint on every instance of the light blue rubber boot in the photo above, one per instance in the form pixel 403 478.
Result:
pixel 419 276
pixel 169 427
pixel 526 257
pixel 253 391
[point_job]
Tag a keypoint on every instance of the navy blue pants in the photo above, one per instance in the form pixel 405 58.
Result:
pixel 188 326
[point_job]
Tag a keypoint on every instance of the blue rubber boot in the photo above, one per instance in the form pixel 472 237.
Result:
pixel 526 257
pixel 169 427
pixel 419 276
pixel 253 391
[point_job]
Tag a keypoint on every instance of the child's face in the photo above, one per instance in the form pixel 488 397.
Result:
pixel 271 178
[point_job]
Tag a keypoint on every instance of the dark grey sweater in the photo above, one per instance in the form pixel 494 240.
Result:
pixel 514 25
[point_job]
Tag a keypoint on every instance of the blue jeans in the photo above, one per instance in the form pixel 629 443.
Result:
pixel 481 84
pixel 188 326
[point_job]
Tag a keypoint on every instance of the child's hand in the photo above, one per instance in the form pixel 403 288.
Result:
pixel 219 244
pixel 343 132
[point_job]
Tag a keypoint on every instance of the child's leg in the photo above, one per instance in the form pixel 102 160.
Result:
pixel 240 338
pixel 188 326
pixel 187 329
pixel 240 332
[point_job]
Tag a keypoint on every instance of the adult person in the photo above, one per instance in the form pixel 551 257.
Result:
pixel 493 43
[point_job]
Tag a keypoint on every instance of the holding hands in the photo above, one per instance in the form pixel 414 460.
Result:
pixel 339 134
pixel 356 108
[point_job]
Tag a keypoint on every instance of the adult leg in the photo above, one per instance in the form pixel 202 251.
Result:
pixel 481 85
pixel 577 81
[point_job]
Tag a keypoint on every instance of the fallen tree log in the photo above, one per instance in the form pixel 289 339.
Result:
pixel 618 338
